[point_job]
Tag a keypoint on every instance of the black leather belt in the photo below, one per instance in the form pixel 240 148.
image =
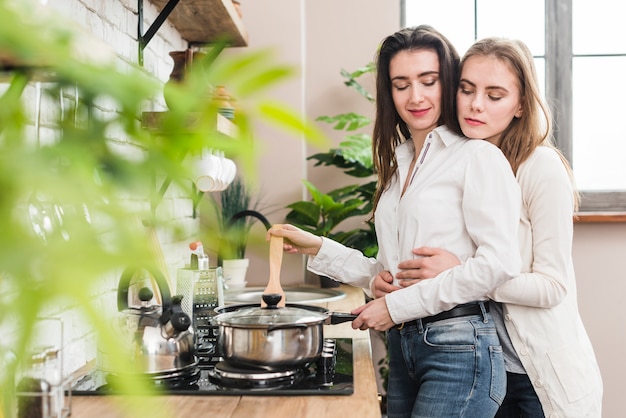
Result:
pixel 458 311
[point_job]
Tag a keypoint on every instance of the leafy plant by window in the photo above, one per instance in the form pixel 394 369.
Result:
pixel 323 214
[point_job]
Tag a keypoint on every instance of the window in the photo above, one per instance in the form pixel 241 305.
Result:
pixel 580 54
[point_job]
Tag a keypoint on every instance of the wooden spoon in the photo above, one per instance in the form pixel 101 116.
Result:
pixel 276 259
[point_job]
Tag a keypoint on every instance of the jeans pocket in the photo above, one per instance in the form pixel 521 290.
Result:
pixel 497 391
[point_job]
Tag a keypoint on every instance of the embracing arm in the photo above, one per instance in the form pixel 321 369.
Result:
pixel 491 210
pixel 546 233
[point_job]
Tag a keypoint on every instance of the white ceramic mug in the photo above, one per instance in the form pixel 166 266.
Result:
pixel 207 173
pixel 229 171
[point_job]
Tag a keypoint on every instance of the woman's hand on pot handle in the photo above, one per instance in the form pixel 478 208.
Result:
pixel 373 315
pixel 296 240
pixel 430 262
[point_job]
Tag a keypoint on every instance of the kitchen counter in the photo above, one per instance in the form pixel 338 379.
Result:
pixel 362 403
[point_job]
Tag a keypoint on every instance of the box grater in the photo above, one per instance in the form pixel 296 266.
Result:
pixel 202 291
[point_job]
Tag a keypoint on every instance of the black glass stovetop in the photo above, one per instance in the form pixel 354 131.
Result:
pixel 329 375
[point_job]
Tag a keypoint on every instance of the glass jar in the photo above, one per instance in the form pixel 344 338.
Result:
pixel 40 391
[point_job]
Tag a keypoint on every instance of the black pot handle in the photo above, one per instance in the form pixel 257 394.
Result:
pixel 341 317
pixel 124 284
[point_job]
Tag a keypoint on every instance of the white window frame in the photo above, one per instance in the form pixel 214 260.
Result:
pixel 559 90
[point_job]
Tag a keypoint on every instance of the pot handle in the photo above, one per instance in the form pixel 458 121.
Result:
pixel 124 285
pixel 341 317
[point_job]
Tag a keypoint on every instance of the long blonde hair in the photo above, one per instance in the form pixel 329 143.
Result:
pixel 534 127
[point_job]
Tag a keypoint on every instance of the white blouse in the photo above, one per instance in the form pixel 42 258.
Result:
pixel 462 197
pixel 540 305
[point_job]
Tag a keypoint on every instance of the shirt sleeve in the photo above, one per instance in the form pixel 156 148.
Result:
pixel 547 194
pixel 344 264
pixel 491 208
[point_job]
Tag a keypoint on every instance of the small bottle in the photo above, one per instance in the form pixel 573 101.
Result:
pixel 193 263
pixel 54 375
pixel 203 261
pixel 199 259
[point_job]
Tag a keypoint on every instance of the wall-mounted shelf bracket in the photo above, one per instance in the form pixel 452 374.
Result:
pixel 144 39
pixel 197 197
pixel 199 22
pixel 156 199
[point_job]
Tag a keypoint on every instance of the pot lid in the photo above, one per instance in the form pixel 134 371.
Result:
pixel 257 317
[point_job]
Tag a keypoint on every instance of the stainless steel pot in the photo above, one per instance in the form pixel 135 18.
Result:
pixel 271 337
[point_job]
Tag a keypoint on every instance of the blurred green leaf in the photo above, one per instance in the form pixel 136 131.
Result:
pixel 77 184
pixel 323 214
pixel 283 116
pixel 346 121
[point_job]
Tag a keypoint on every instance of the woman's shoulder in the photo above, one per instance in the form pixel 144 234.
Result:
pixel 545 152
pixel 481 148
pixel 543 157
pixel 544 166
pixel 449 137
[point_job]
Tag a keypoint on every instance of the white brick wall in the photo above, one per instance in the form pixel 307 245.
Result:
pixel 115 23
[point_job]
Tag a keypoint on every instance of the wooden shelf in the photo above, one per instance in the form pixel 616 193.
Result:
pixel 204 21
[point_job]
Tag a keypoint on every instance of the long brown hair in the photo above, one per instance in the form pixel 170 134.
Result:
pixel 534 127
pixel 389 129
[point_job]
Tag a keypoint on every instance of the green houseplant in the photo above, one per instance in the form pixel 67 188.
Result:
pixel 67 203
pixel 323 214
pixel 235 214
pixel 237 211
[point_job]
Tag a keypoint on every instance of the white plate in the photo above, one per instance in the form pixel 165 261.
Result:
pixel 292 295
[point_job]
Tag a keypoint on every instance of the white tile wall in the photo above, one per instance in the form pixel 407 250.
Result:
pixel 115 23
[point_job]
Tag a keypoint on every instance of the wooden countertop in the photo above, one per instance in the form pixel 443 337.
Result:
pixel 363 403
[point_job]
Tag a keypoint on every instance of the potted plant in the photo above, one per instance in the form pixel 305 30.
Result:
pixel 324 212
pixel 236 213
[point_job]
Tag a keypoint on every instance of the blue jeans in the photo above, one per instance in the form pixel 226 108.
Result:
pixel 521 400
pixel 449 368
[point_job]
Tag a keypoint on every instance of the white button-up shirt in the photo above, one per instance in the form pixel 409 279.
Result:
pixel 462 197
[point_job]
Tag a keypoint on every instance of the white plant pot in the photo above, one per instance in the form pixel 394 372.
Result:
pixel 234 272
